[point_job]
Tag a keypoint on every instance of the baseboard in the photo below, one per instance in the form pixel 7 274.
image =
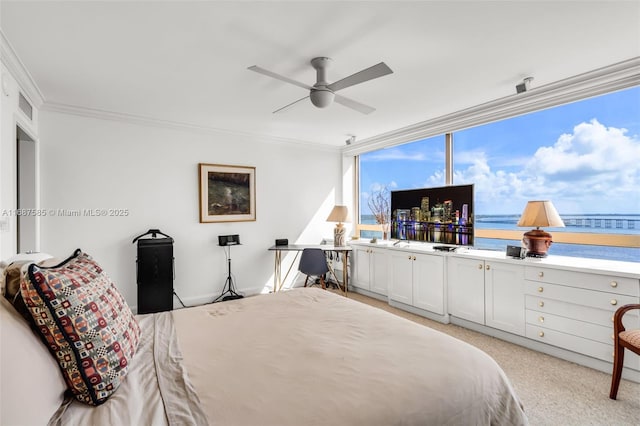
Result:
pixel 430 315
pixel 381 297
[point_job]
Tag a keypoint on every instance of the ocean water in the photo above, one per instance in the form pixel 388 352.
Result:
pixel 602 224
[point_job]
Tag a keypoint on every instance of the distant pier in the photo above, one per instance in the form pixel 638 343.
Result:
pixel 631 222
pixel 606 223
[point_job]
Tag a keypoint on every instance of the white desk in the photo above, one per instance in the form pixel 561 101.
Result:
pixel 298 248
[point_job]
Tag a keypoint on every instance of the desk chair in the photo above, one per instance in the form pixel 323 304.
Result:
pixel 313 263
pixel 622 339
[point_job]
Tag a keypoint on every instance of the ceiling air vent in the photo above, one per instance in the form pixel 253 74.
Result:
pixel 25 106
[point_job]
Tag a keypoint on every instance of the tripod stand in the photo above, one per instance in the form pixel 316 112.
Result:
pixel 228 293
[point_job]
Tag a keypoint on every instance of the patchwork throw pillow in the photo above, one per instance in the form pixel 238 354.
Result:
pixel 86 323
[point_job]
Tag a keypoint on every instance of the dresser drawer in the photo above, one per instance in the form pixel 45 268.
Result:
pixel 598 282
pixel 595 299
pixel 599 333
pixel 583 313
pixel 578 344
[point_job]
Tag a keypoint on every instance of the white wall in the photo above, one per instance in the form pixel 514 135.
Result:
pixel 89 163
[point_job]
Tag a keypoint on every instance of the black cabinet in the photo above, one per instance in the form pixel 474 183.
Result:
pixel 155 275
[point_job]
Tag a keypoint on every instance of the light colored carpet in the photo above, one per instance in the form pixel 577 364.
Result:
pixel 553 391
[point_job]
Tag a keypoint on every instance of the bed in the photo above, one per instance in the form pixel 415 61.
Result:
pixel 300 357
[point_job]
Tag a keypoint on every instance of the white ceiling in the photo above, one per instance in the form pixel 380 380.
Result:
pixel 186 62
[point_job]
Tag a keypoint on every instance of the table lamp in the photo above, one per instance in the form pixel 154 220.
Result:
pixel 539 213
pixel 339 214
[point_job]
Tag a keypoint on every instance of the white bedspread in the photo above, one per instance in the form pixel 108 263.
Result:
pixel 156 390
pixel 310 357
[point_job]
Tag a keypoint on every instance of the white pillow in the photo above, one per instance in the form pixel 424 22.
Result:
pixel 32 387
pixel 23 257
pixel 28 257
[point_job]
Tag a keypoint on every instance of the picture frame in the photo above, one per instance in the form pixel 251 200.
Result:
pixel 227 193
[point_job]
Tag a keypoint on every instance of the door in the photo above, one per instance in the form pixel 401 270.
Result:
pixel 378 279
pixel 428 282
pixel 401 277
pixel 360 260
pixel 466 288
pixel 26 193
pixel 504 293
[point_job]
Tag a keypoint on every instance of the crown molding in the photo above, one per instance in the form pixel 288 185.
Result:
pixel 18 70
pixel 176 125
pixel 621 75
pixel 30 89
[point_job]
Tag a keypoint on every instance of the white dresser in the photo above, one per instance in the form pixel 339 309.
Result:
pixel 574 310
pixel 559 305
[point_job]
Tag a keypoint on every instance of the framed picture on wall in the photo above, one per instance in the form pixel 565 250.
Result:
pixel 227 193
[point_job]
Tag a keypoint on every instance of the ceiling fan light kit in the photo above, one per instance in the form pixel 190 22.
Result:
pixel 322 94
pixel 322 98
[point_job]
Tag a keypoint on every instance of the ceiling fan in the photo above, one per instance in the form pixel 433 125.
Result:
pixel 322 94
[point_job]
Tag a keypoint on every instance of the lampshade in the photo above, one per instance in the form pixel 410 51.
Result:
pixel 339 214
pixel 540 213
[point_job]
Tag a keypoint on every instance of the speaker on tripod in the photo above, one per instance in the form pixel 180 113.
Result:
pixel 228 292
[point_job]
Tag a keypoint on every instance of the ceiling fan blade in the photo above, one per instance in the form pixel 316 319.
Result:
pixel 286 107
pixel 350 103
pixel 367 74
pixel 278 77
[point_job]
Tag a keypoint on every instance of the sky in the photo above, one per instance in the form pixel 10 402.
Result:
pixel 583 156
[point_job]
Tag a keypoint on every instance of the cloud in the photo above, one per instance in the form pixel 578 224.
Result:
pixel 595 162
pixel 595 169
pixel 469 157
pixel 592 149
pixel 374 188
pixel 396 154
pixel 377 186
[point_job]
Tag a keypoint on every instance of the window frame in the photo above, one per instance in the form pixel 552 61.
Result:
pixel 616 77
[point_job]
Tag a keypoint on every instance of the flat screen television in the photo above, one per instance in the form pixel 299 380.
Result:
pixel 437 215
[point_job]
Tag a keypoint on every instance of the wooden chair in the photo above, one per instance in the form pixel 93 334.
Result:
pixel 622 339
pixel 313 262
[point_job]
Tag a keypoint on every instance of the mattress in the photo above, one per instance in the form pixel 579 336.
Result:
pixel 311 357
pixel 301 357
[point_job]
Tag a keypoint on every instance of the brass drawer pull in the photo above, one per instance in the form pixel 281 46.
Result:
pixel 614 302
pixel 488 267
pixel 541 319
pixel 541 303
pixel 613 284
pixel 480 266
pixel 541 334
pixel 540 289
pixel 540 274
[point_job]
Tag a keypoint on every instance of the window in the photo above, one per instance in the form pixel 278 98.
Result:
pixel 414 165
pixel 583 156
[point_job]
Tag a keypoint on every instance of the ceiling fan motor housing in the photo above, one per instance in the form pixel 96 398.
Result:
pixel 321 97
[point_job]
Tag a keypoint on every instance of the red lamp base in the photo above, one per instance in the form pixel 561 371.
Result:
pixel 537 242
